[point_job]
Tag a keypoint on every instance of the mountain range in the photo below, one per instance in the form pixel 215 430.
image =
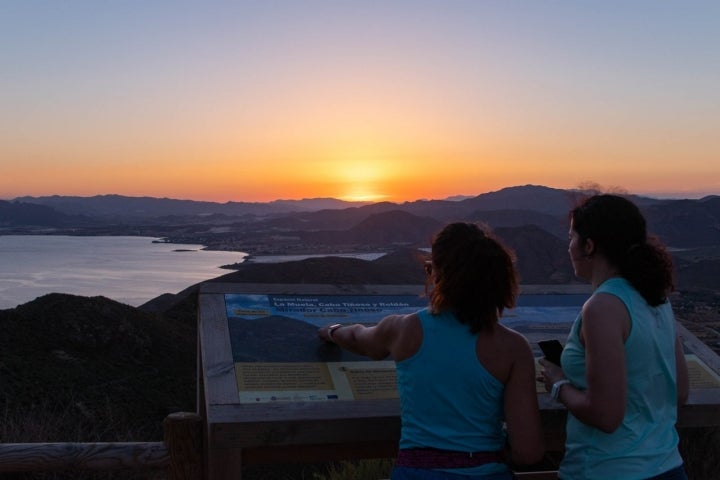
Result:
pixel 531 219
pixel 309 223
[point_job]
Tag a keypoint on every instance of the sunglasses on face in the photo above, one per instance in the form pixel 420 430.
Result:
pixel 428 267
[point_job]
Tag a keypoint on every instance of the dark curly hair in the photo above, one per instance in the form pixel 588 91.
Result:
pixel 473 275
pixel 619 232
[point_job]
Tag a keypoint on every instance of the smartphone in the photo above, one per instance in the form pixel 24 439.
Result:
pixel 552 349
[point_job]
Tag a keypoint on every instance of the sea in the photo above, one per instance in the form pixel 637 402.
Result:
pixel 131 270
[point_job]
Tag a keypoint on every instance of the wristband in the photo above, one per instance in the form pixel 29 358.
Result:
pixel 331 329
pixel 555 392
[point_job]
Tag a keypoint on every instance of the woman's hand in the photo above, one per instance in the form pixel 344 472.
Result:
pixel 324 332
pixel 550 373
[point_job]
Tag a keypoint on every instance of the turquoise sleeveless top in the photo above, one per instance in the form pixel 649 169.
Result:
pixel 447 398
pixel 646 443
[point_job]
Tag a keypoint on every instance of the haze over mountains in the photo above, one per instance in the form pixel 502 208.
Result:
pixel 309 224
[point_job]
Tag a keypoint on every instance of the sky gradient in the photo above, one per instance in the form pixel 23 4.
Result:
pixel 360 100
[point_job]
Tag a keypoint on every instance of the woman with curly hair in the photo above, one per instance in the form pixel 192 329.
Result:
pixel 467 389
pixel 623 371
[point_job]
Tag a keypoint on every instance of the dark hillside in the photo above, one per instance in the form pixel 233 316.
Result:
pixel 378 231
pixel 407 269
pixel 86 353
pixel 335 219
pixel 550 201
pixel 542 258
pixel 686 223
pixel 395 227
pixel 125 207
pixel 555 224
pixel 544 200
pixel 28 214
pixel 701 274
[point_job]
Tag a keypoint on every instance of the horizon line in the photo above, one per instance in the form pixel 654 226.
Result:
pixel 695 195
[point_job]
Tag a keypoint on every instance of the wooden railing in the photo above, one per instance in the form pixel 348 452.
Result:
pixel 180 454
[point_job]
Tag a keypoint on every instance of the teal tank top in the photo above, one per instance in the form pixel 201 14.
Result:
pixel 447 398
pixel 646 443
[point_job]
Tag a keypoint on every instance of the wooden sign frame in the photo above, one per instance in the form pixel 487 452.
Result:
pixel 238 433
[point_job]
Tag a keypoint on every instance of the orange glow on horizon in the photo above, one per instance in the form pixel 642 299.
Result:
pixel 346 170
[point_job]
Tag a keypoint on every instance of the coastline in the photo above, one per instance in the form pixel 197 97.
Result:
pixel 128 269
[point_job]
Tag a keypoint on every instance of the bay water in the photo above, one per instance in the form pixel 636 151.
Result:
pixel 131 270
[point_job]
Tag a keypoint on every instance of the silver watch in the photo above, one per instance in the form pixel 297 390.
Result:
pixel 555 391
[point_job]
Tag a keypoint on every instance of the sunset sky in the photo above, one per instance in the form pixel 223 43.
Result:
pixel 360 100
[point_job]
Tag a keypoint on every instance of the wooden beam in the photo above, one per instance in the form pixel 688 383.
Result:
pixel 45 457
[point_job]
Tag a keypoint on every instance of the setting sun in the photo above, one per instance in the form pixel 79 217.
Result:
pixel 358 176
pixel 362 196
pixel 362 101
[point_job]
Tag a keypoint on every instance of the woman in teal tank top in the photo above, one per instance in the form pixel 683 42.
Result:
pixel 468 401
pixel 623 369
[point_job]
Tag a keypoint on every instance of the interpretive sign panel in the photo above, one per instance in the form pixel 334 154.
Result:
pixel 271 389
pixel 300 367
pixel 701 376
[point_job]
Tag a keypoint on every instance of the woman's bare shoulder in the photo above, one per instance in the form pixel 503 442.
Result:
pixel 502 351
pixel 606 312
pixel 400 321
pixel 600 301
pixel 406 334
pixel 512 339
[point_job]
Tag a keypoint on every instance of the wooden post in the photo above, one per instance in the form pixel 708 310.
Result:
pixel 225 464
pixel 183 437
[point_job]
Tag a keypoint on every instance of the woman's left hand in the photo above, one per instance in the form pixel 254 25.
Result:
pixel 550 373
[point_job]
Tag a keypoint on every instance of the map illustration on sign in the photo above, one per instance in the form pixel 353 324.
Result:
pixel 278 356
